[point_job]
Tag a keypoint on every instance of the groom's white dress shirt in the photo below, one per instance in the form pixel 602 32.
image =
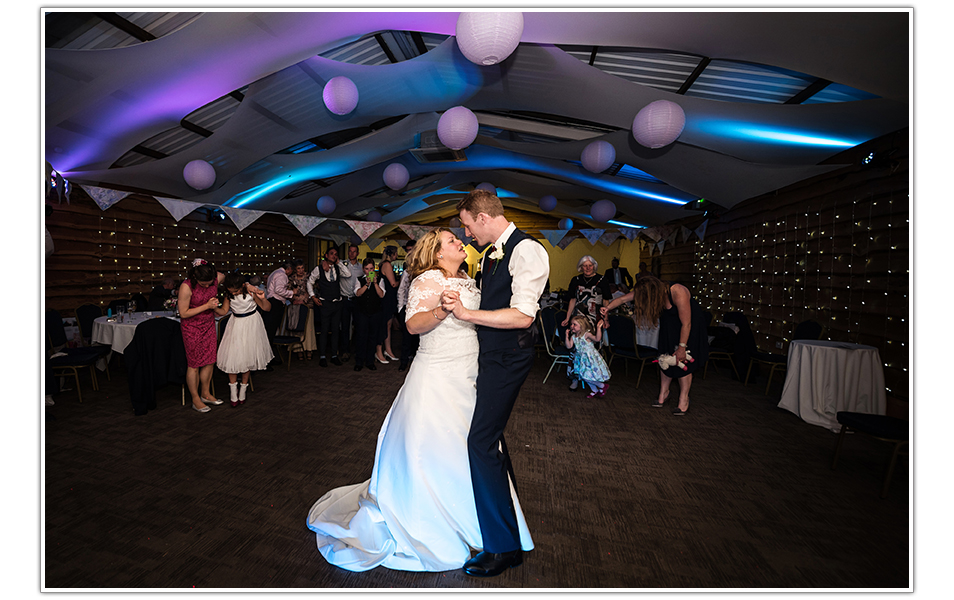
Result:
pixel 530 269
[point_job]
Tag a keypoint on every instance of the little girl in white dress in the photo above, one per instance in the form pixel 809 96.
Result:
pixel 244 345
pixel 587 364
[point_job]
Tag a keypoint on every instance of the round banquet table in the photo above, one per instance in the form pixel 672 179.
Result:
pixel 826 377
pixel 112 332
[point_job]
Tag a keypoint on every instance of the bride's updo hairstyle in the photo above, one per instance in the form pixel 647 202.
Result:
pixel 424 256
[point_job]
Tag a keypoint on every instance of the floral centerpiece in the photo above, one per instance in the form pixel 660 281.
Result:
pixel 172 303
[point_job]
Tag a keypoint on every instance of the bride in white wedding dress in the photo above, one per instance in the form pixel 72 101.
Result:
pixel 417 511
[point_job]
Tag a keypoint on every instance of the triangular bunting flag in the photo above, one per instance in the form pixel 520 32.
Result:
pixel 671 238
pixel 686 232
pixel 101 196
pixel 630 232
pixel 652 233
pixel 566 241
pixel 364 228
pixel 242 217
pixel 609 237
pixel 592 235
pixel 304 223
pixel 701 230
pixel 660 245
pixel 339 239
pixel 178 208
pixel 554 235
pixel 373 242
pixel 415 231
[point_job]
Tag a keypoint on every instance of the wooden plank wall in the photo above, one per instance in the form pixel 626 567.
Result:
pixel 834 249
pixel 105 255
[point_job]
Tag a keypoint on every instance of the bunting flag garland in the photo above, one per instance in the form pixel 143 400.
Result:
pixel 701 230
pixel 630 232
pixel 364 228
pixel 178 208
pixel 304 223
pixel 553 235
pixel 671 238
pixel 686 232
pixel 653 233
pixel 242 217
pixel 566 241
pixel 373 242
pixel 592 235
pixel 101 196
pixel 609 237
pixel 660 245
pixel 415 231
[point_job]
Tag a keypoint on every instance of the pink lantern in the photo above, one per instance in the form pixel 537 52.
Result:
pixel 457 128
pixel 566 224
pixel 396 176
pixel 340 95
pixel 199 174
pixel 326 205
pixel 598 156
pixel 548 203
pixel 486 38
pixel 659 123
pixel 603 210
pixel 487 187
pixel 374 216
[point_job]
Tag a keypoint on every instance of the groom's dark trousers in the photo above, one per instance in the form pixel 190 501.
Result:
pixel 499 377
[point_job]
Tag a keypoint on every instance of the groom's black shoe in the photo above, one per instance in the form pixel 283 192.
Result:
pixel 486 564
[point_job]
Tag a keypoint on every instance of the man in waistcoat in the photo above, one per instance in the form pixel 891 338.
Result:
pixel 515 270
pixel 324 286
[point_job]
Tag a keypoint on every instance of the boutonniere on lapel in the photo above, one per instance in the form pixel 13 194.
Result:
pixel 496 254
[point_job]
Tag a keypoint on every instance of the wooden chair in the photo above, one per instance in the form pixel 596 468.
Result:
pixel 881 427
pixel 75 359
pixel 288 342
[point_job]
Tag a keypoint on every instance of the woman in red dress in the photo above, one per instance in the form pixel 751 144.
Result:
pixel 198 306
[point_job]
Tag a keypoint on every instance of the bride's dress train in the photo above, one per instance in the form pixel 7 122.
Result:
pixel 417 511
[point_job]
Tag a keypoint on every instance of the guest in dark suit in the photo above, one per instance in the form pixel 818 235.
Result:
pixel 620 276
pixel 515 270
pixel 161 293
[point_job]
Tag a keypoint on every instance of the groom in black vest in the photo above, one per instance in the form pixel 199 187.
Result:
pixel 515 269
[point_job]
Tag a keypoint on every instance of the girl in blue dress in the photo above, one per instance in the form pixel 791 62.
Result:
pixel 588 365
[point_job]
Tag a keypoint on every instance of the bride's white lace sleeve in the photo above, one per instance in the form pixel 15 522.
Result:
pixel 425 293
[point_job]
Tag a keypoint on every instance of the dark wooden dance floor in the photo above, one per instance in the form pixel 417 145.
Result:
pixel 736 494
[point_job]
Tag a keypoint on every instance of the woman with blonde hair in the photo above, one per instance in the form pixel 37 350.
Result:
pixel 681 330
pixel 417 512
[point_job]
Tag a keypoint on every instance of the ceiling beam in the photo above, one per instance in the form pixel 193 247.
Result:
pixel 384 46
pixel 815 87
pixel 125 26
pixel 694 75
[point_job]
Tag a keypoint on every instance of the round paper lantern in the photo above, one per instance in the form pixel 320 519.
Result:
pixel 598 156
pixel 199 174
pixel 659 123
pixel 565 223
pixel 457 128
pixel 603 210
pixel 455 222
pixel 548 203
pixel 326 205
pixel 396 176
pixel 486 38
pixel 374 216
pixel 340 95
pixel 487 187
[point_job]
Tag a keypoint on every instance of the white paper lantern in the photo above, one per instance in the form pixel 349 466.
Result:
pixel 659 123
pixel 603 210
pixel 340 95
pixel 396 176
pixel 548 203
pixel 598 156
pixel 487 187
pixel 487 38
pixel 199 174
pixel 326 205
pixel 565 223
pixel 374 216
pixel 457 128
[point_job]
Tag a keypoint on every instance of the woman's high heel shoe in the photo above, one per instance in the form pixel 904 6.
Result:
pixel 212 401
pixel 679 412
pixel 388 354
pixel 204 409
pixel 383 362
